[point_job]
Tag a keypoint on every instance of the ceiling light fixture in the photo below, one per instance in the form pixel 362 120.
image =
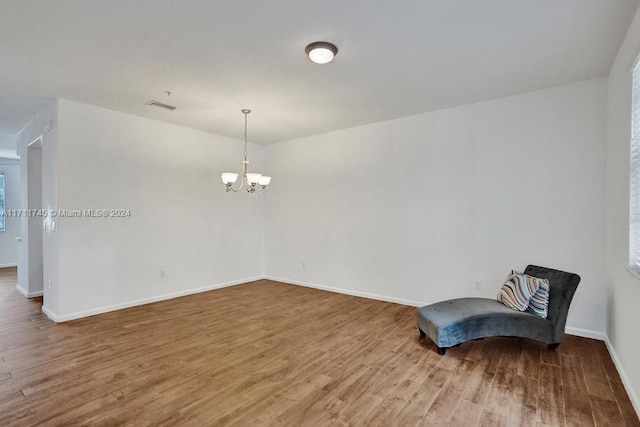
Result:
pixel 321 52
pixel 154 103
pixel 250 180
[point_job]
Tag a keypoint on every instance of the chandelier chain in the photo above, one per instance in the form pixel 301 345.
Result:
pixel 245 134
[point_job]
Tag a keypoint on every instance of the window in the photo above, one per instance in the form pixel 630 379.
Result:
pixel 2 217
pixel 634 188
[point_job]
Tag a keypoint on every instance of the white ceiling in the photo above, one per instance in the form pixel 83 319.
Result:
pixel 396 58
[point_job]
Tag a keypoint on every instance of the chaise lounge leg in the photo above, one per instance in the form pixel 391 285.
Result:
pixel 553 346
pixel 422 334
pixel 441 350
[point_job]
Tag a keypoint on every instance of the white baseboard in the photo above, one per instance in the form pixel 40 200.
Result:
pixel 623 376
pixel 569 330
pixel 8 265
pixel 99 310
pixel 22 291
pixel 350 292
pixel 50 314
pixel 585 333
pixel 29 294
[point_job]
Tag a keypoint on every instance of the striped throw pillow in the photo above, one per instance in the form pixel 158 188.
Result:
pixel 539 302
pixel 518 290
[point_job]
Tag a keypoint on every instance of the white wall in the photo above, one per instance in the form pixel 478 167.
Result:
pixel 8 243
pixel 416 209
pixel 8 146
pixel 624 292
pixel 181 220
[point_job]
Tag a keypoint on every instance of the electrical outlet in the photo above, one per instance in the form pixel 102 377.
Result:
pixel 49 284
pixel 477 285
pixel 162 272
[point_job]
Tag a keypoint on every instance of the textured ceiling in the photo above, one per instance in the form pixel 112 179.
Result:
pixel 396 58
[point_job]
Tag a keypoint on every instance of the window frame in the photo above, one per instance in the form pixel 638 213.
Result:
pixel 3 202
pixel 634 173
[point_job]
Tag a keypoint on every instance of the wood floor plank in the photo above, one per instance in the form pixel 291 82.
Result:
pixel 550 357
pixel 489 419
pixel 500 397
pixel 445 404
pixel 529 364
pixel 550 399
pixel 466 414
pixel 577 407
pixel 478 385
pixel 591 357
pixel 414 411
pixel 268 353
pixel 607 361
pixel 523 411
pixel 599 387
pixel 624 403
pixel 605 412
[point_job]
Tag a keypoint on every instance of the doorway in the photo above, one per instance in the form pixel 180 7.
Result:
pixel 30 264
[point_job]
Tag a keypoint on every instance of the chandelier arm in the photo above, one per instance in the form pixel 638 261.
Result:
pixel 243 179
pixel 235 190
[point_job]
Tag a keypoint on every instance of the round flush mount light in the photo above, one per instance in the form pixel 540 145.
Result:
pixel 321 52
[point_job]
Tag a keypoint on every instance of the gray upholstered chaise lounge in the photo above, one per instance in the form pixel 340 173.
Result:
pixel 452 322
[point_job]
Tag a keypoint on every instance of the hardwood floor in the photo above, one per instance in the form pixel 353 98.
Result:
pixel 269 353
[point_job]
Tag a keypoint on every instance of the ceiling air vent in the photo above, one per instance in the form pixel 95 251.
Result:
pixel 161 105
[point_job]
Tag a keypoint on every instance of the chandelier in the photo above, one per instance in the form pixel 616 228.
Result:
pixel 249 180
